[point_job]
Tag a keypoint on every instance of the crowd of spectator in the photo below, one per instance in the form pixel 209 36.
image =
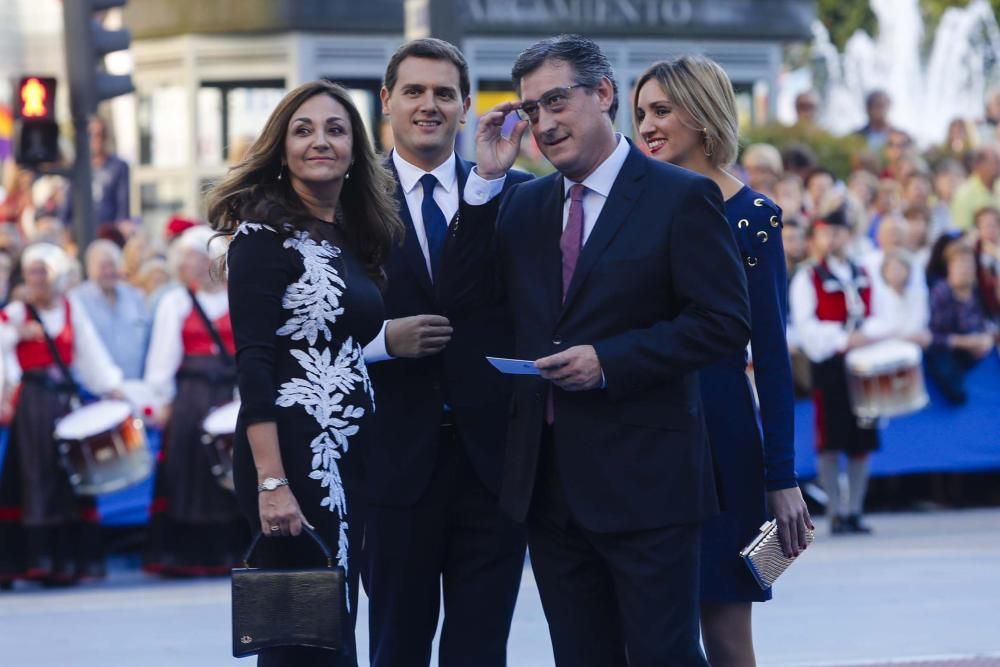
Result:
pixel 925 226
pixel 118 278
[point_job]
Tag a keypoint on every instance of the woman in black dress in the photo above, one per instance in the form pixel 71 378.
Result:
pixel 312 218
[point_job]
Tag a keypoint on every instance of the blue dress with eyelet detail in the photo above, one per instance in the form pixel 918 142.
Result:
pixel 752 455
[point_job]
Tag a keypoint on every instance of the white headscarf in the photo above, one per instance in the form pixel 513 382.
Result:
pixel 198 239
pixel 56 261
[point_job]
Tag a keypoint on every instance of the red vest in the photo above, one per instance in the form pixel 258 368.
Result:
pixel 198 341
pixel 831 294
pixel 35 354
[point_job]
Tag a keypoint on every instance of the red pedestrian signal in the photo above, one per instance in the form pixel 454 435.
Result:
pixel 36 139
pixel 36 96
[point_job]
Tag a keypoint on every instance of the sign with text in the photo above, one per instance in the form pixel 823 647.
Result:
pixel 755 19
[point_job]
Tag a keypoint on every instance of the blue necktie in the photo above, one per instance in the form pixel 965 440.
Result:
pixel 435 225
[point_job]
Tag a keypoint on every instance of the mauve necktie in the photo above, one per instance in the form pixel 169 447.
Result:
pixel 570 245
pixel 435 225
pixel 572 237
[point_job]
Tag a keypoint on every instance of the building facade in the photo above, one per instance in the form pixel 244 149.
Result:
pixel 207 74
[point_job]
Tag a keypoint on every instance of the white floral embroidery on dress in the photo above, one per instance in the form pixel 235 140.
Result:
pixel 247 227
pixel 315 298
pixel 315 304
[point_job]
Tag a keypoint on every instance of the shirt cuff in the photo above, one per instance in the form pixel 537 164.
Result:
pixel 376 350
pixel 479 191
pixel 604 380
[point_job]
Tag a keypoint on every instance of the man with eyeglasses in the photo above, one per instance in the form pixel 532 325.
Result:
pixel 623 279
pixel 434 529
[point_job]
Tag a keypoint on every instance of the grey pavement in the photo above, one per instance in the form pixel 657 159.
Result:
pixel 924 586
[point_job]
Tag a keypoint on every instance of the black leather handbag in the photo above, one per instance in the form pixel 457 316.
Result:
pixel 300 607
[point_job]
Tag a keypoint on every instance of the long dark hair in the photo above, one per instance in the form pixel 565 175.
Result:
pixel 252 190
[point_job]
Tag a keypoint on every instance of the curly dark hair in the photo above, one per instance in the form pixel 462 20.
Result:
pixel 253 191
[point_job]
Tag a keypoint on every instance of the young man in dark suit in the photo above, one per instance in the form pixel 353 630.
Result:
pixel 623 278
pixel 434 471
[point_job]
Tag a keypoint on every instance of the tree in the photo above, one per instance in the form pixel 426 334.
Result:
pixel 843 17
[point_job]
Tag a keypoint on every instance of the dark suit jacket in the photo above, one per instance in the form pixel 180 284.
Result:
pixel 659 291
pixel 410 393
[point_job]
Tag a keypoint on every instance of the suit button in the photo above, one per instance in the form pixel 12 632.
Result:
pixel 556 341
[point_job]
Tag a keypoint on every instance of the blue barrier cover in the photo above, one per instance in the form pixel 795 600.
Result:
pixel 939 438
pixel 122 508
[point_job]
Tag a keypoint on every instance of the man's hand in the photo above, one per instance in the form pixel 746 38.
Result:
pixel 417 336
pixel 494 153
pixel 575 369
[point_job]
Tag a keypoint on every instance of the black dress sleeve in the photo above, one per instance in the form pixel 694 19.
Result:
pixel 258 275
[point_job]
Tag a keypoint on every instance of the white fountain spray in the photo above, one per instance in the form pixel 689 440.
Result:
pixel 952 83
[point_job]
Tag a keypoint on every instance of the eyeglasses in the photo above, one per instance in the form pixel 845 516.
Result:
pixel 553 101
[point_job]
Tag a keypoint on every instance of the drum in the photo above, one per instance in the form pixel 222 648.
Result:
pixel 103 447
pixel 218 430
pixel 886 379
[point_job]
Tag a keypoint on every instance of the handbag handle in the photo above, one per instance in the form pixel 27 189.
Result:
pixel 309 531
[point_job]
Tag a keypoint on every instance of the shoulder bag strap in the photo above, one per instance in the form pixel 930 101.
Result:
pixel 216 338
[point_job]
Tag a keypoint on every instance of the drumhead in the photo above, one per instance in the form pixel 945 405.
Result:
pixel 222 420
pixel 92 419
pixel 883 356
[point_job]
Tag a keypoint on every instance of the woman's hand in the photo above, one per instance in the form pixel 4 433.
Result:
pixel 157 417
pixel 31 330
pixel 280 513
pixel 789 509
pixel 921 338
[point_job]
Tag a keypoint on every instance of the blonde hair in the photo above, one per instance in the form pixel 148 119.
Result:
pixel 700 87
pixel 766 156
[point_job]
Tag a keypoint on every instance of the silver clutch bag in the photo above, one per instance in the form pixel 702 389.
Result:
pixel 764 556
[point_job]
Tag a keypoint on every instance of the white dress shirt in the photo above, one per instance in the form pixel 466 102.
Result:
pixel 445 196
pixel 598 185
pixel 897 315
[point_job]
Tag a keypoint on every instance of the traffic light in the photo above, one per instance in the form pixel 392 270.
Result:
pixel 37 133
pixel 87 42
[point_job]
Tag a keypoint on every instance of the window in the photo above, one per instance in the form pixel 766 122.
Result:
pixel 231 115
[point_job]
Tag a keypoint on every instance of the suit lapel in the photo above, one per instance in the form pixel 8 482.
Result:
pixel 462 169
pixel 411 247
pixel 550 255
pixel 621 199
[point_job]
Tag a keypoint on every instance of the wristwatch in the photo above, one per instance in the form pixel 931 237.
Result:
pixel 271 483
